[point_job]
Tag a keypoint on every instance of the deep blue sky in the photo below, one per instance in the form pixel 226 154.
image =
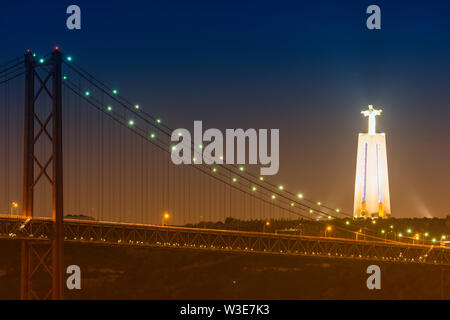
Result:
pixel 307 68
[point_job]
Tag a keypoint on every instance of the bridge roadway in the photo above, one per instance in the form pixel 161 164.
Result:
pixel 140 235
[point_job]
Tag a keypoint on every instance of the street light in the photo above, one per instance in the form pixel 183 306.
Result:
pixel 358 233
pixel 425 235
pixel 165 217
pixel 14 205
pixel 443 240
pixel 328 230
pixel 267 224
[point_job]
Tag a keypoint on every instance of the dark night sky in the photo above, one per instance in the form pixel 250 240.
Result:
pixel 306 68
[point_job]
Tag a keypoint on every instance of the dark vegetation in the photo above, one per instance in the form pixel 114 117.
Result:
pixel 422 228
pixel 164 273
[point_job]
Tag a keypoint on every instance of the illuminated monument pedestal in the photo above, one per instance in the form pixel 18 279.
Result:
pixel 372 183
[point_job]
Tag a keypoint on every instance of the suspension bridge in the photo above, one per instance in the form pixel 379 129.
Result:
pixel 85 164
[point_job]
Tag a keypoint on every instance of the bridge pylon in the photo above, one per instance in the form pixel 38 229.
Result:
pixel 42 261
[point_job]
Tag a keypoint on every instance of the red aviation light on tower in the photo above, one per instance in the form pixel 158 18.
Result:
pixel 56 48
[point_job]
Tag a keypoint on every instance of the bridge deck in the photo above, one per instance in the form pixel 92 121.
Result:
pixel 126 234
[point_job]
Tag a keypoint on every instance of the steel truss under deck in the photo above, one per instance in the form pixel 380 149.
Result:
pixel 122 234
